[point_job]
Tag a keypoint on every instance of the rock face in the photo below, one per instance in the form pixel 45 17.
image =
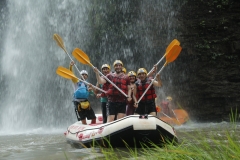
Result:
pixel 211 44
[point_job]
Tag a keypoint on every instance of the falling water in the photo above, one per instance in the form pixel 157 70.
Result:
pixel 32 95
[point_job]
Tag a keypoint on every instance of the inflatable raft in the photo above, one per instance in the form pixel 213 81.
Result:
pixel 132 131
pixel 179 117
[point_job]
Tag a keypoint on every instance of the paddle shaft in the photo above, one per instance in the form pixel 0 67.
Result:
pixel 151 83
pixel 175 115
pixel 165 115
pixel 60 43
pixel 157 64
pixel 75 66
pixel 92 85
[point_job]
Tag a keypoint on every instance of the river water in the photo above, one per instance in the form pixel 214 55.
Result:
pixel 44 144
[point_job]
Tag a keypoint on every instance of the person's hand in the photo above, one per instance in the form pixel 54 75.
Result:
pixel 155 68
pixel 135 105
pixel 72 63
pixel 129 99
pixel 90 88
pixel 95 69
pixel 98 95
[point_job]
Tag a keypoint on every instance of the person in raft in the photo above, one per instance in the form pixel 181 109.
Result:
pixel 82 106
pixel 147 103
pixel 132 100
pixel 103 98
pixel 116 100
pixel 167 107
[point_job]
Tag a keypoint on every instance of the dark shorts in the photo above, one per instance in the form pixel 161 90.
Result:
pixel 113 108
pixel 146 107
pixel 85 113
pixel 104 111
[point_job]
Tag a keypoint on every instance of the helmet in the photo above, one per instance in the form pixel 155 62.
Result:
pixel 131 73
pixel 105 65
pixel 117 62
pixel 124 69
pixel 142 70
pixel 169 98
pixel 84 72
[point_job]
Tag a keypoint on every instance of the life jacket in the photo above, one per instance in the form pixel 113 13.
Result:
pixel 142 86
pixel 81 92
pixel 121 81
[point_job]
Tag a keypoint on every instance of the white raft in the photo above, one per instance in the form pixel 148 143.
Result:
pixel 133 131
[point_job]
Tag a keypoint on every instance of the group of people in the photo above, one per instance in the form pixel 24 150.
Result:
pixel 122 93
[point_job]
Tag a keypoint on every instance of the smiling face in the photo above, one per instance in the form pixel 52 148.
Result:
pixel 132 79
pixel 118 68
pixel 142 76
pixel 105 70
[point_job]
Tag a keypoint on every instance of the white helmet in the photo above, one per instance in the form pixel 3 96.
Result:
pixel 84 72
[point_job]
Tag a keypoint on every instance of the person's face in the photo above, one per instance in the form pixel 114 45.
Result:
pixel 118 68
pixel 142 76
pixel 132 78
pixel 105 70
pixel 85 76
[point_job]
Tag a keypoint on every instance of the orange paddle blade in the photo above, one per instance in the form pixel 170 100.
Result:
pixel 59 41
pixel 81 56
pixel 65 73
pixel 173 53
pixel 174 42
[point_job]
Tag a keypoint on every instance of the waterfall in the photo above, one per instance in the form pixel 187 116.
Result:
pixel 136 32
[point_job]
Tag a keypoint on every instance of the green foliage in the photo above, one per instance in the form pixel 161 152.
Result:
pixel 195 147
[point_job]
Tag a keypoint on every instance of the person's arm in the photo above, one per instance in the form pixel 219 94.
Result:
pixel 95 90
pixel 150 74
pixel 130 90
pixel 100 79
pixel 74 80
pixel 157 82
pixel 134 96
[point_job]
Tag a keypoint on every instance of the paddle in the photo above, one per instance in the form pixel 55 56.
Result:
pixel 66 73
pixel 60 43
pixel 84 59
pixel 170 57
pixel 170 46
pixel 166 115
pixel 176 116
